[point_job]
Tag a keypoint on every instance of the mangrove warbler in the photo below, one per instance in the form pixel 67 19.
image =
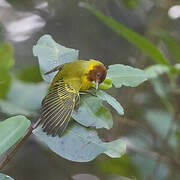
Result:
pixel 63 95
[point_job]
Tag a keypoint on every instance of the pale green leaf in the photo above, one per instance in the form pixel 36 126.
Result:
pixel 81 144
pixel 155 70
pixel 162 91
pixel 27 95
pixel 13 109
pixel 91 112
pixel 126 75
pixel 5 177
pixel 51 54
pixel 157 118
pixel 111 100
pixel 11 130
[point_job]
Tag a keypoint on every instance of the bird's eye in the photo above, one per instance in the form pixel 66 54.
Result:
pixel 98 75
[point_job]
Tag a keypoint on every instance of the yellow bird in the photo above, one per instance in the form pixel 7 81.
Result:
pixel 63 96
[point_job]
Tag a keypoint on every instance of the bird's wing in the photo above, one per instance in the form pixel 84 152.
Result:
pixel 57 107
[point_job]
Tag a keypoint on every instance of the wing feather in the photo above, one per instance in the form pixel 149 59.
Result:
pixel 57 107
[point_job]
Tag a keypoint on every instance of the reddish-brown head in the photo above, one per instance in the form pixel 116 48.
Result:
pixel 97 74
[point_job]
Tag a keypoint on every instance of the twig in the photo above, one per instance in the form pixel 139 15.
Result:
pixel 12 151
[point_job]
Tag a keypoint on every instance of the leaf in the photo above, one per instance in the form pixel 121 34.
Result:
pixel 5 82
pixel 27 95
pixel 171 43
pixel 106 84
pixel 162 91
pixel 157 118
pixel 6 56
pixel 91 112
pixel 125 75
pixel 30 74
pixel 139 41
pixel 84 176
pixel 12 109
pixel 123 166
pixel 146 165
pixel 131 3
pixel 51 54
pixel 6 62
pixel 5 177
pixel 11 130
pixel 155 70
pixel 111 100
pixel 81 144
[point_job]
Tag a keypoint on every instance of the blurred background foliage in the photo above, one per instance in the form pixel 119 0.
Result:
pixel 151 124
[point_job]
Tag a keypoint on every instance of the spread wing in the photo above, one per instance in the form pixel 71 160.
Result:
pixel 57 107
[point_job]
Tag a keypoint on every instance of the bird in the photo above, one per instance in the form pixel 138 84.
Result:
pixel 64 92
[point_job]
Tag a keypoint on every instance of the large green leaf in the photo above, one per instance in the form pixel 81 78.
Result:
pixel 126 75
pixel 139 41
pixel 111 100
pixel 91 112
pixel 51 54
pixel 5 177
pixel 11 130
pixel 81 144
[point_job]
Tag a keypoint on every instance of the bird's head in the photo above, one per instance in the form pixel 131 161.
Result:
pixel 97 74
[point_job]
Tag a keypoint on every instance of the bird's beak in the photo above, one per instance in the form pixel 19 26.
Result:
pixel 97 85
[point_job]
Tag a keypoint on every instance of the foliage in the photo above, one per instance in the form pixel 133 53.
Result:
pixel 91 112
pixel 81 144
pixel 123 166
pixel 139 41
pixel 30 74
pixel 11 130
pixel 163 122
pixel 6 62
pixel 125 75
pixel 5 177
pixel 131 3
pixel 171 43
